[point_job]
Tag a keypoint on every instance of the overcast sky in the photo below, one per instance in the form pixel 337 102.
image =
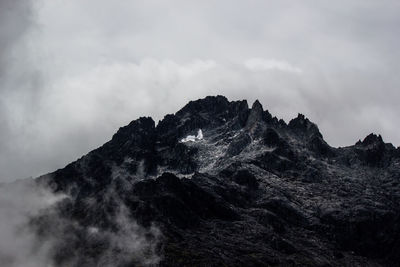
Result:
pixel 72 72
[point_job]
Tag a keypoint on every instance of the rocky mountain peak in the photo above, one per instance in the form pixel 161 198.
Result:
pixel 257 107
pixel 372 139
pixel 136 127
pixel 303 125
pixel 256 114
pixel 268 193
pixel 210 104
pixel 299 122
pixel 373 150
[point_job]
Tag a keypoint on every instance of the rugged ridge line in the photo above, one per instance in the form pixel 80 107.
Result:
pixel 252 191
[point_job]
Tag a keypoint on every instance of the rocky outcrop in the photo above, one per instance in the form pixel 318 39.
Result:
pixel 253 191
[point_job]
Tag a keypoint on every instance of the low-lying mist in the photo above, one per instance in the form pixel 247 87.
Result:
pixel 38 228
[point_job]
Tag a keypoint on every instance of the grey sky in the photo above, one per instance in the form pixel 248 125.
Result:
pixel 72 72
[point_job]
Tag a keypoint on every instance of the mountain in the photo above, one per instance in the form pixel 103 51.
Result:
pixel 222 184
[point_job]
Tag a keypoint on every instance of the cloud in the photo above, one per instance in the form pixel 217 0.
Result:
pixel 20 81
pixel 73 72
pixel 260 64
pixel 35 230
pixel 66 85
pixel 19 245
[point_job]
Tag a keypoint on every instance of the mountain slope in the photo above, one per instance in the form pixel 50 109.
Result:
pixel 245 189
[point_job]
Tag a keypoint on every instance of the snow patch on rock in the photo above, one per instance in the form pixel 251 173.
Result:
pixel 193 138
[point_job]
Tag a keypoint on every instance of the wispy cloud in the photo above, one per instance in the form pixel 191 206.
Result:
pixel 19 245
pixel 260 64
pixel 34 232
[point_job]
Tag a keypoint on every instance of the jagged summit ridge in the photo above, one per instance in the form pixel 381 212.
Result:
pixel 250 190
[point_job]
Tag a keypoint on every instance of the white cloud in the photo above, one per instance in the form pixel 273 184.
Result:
pixel 19 246
pixel 260 64
pixel 72 82
pixel 33 230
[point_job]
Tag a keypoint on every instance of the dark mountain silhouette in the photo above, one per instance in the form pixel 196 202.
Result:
pixel 229 185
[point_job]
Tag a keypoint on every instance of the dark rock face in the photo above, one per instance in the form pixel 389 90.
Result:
pixel 372 150
pixel 250 190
